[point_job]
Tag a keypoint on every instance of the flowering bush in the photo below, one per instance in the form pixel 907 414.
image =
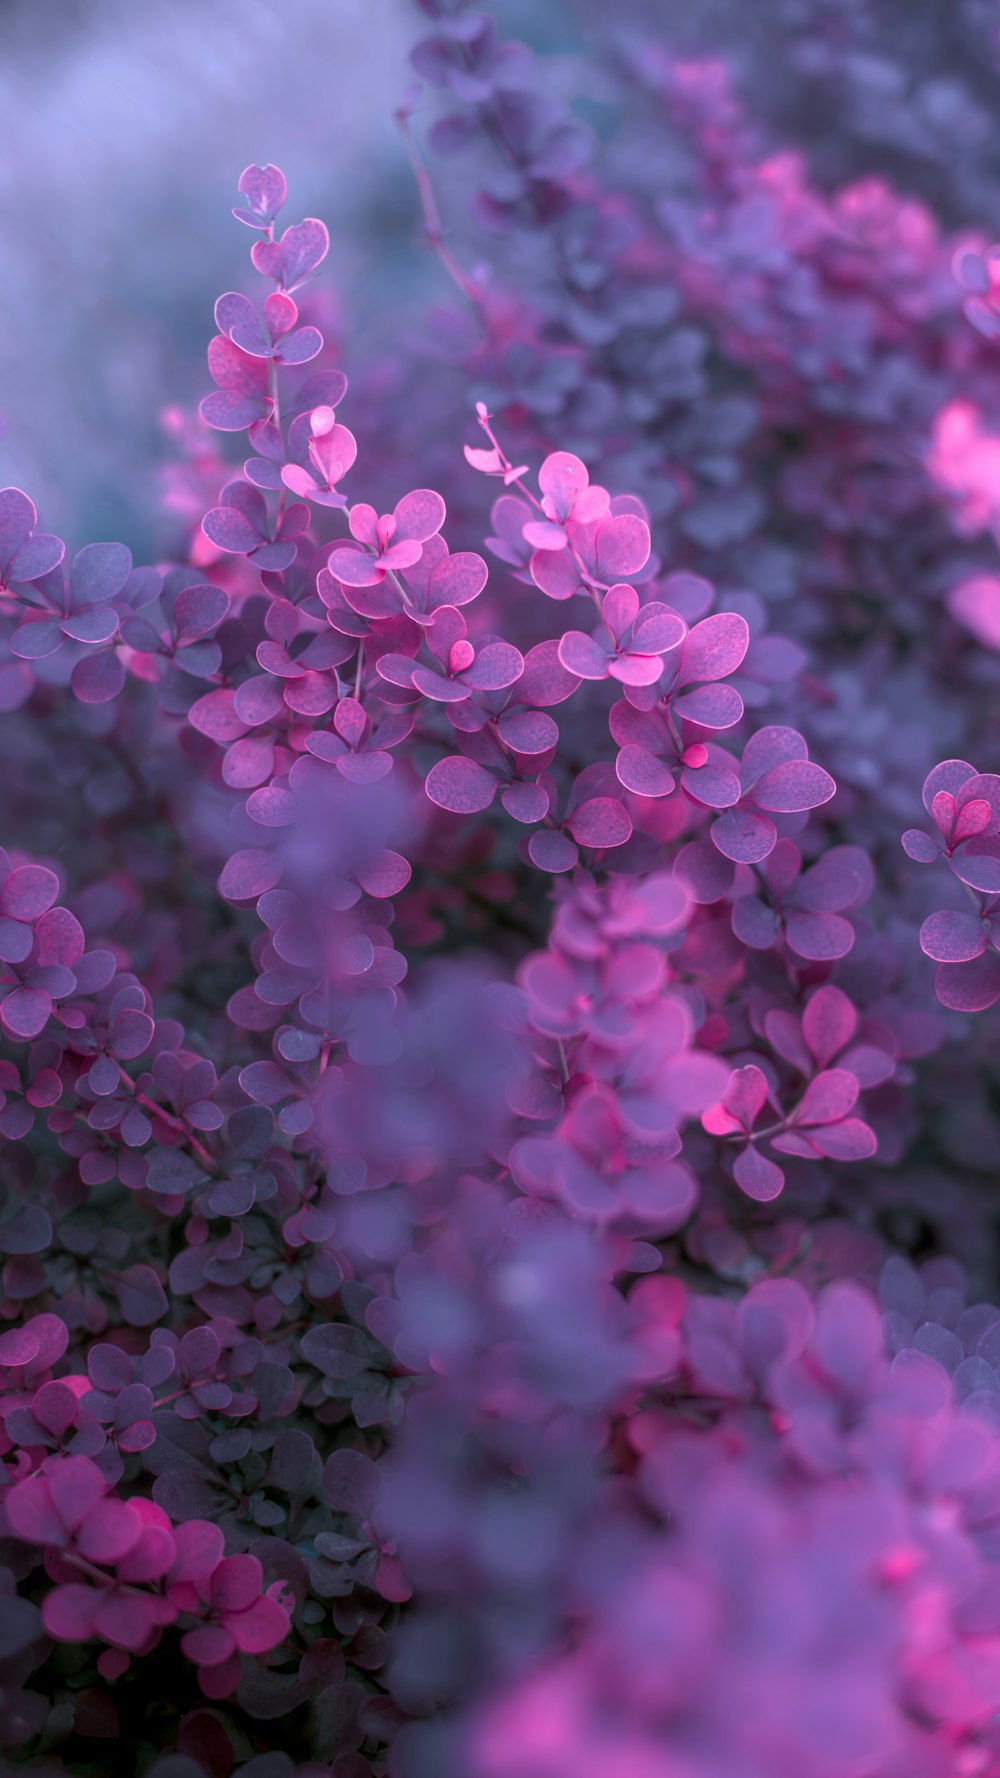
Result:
pixel 497 1242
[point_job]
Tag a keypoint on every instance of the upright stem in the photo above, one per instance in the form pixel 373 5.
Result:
pixel 432 217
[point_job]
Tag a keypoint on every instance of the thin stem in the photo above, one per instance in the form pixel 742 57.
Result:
pixel 174 1123
pixel 594 587
pixel 433 230
pixel 272 389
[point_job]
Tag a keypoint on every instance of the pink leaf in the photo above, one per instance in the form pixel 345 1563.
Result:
pixel 830 1096
pixel 828 1023
pixel 68 1612
pixel 419 516
pixel 622 547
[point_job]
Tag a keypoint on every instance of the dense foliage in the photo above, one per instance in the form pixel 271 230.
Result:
pixel 499 1125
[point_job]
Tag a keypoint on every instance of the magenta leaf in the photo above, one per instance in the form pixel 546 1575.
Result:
pixel 828 1023
pixel 622 547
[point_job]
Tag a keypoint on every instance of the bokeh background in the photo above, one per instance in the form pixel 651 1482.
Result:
pixel 126 126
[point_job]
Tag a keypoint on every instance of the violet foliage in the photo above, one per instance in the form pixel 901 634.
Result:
pixel 467 1074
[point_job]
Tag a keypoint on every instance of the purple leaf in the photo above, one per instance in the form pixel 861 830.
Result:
pixel 821 938
pixel 711 706
pixel 757 1176
pixel 528 731
pixel 657 630
pixel 600 822
pixel 552 851
pixel 919 847
pixel 714 648
pixel 545 681
pixel 337 1349
pixel 350 1482
pixel 199 609
pixel 496 666
pixel 264 190
pixel 714 785
pixel 131 1034
pixel 769 748
pixel 460 785
pixel 744 837
pixel 828 1023
pixel 830 1096
pixel 248 874
pixel 950 775
pixel 98 573
pixel 952 937
pixel 92 626
pixel 419 516
pixel 641 772
pixel 794 786
pixel 25 1012
pixel 140 1296
pixel 386 875
pixel 583 656
pixel 847 1140
pixel 622 547
pixel 29 892
pixel 525 802
pixel 289 260
pixel 969 987
pixel 98 677
pixel 229 530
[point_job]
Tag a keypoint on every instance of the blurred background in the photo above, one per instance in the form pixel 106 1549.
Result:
pixel 126 127
pixel 127 123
